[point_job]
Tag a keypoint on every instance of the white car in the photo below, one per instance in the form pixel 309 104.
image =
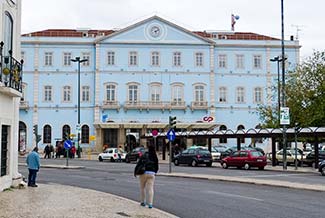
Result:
pixel 111 154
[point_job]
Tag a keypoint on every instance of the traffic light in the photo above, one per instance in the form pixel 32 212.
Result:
pixel 35 129
pixel 172 122
pixel 38 138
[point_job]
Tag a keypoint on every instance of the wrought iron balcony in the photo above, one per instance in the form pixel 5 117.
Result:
pixel 11 73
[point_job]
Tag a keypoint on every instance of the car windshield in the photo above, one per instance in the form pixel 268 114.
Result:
pixel 256 154
pixel 218 149
pixel 203 151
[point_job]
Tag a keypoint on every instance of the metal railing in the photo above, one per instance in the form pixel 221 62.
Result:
pixel 11 70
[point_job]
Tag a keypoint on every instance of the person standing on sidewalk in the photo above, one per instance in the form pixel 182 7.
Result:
pixel 33 164
pixel 147 179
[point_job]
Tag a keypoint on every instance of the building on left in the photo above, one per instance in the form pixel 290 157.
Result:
pixel 10 91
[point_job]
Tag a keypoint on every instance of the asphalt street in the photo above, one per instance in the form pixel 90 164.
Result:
pixel 195 197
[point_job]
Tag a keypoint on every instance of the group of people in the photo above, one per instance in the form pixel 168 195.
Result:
pixel 149 162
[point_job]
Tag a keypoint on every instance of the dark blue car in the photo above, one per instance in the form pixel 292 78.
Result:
pixel 321 167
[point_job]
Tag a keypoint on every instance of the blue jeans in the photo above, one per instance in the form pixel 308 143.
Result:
pixel 32 177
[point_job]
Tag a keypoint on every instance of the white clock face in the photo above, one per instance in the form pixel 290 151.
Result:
pixel 155 31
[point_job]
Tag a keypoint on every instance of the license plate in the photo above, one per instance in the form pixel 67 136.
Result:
pixel 259 160
pixel 206 161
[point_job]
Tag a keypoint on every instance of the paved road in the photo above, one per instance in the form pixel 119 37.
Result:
pixel 193 197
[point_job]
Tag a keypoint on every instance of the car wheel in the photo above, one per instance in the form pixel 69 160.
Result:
pixel 209 164
pixel 322 171
pixel 100 159
pixel 112 159
pixel 261 168
pixel 193 163
pixel 246 166
pixel 176 162
pixel 224 165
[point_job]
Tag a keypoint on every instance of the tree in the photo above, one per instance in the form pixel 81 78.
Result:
pixel 305 95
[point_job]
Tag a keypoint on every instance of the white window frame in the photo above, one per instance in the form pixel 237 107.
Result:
pixel 155 59
pixel 257 61
pixel 199 59
pixel 222 61
pixel 223 94
pixel 177 93
pixel 177 59
pixel 111 58
pixel 133 92
pixel 199 93
pixel 258 95
pixel 240 95
pixel 67 59
pixel 133 58
pixel 155 92
pixel 66 93
pixel 47 93
pixel 85 93
pixel 85 55
pixel 240 61
pixel 48 58
pixel 110 92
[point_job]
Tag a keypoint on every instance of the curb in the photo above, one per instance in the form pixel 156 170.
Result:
pixel 274 183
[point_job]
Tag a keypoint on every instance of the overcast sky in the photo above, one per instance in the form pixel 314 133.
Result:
pixel 258 16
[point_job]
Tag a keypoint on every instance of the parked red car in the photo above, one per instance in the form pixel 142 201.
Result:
pixel 246 159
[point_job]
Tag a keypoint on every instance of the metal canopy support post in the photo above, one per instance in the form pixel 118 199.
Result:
pixel 273 151
pixel 316 153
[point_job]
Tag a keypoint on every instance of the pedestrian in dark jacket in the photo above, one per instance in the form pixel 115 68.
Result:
pixel 33 164
pixel 47 152
pixel 147 179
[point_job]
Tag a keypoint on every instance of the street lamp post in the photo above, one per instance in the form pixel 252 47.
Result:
pixel 283 88
pixel 77 59
pixel 277 59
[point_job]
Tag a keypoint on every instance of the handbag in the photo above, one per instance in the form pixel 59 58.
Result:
pixel 140 167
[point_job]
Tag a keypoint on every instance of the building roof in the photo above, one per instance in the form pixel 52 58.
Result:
pixel 98 33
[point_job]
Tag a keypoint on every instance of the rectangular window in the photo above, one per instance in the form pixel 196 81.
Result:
pixel 222 94
pixel 110 92
pixel 222 63
pixel 47 93
pixel 240 61
pixel 257 61
pixel 111 58
pixel 85 92
pixel 199 59
pixel 177 59
pixel 155 93
pixel 133 93
pixel 199 93
pixel 67 58
pixel 48 59
pixel 66 94
pixel 85 55
pixel 258 95
pixel 133 58
pixel 155 58
pixel 240 95
pixel 177 94
pixel 4 149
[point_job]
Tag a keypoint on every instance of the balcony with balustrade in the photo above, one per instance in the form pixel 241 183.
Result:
pixel 111 105
pixel 199 105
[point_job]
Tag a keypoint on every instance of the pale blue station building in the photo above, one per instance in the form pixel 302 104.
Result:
pixel 136 77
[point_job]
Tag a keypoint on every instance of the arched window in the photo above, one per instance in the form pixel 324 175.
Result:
pixel 223 140
pixel 47 134
pixel 8 33
pixel 241 127
pixel 85 134
pixel 22 136
pixel 66 130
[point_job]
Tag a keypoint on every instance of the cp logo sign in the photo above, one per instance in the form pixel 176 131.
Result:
pixel 208 119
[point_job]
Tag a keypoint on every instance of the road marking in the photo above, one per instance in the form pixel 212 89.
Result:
pixel 233 195
pixel 273 175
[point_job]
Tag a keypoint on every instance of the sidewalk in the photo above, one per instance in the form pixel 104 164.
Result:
pixel 51 200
